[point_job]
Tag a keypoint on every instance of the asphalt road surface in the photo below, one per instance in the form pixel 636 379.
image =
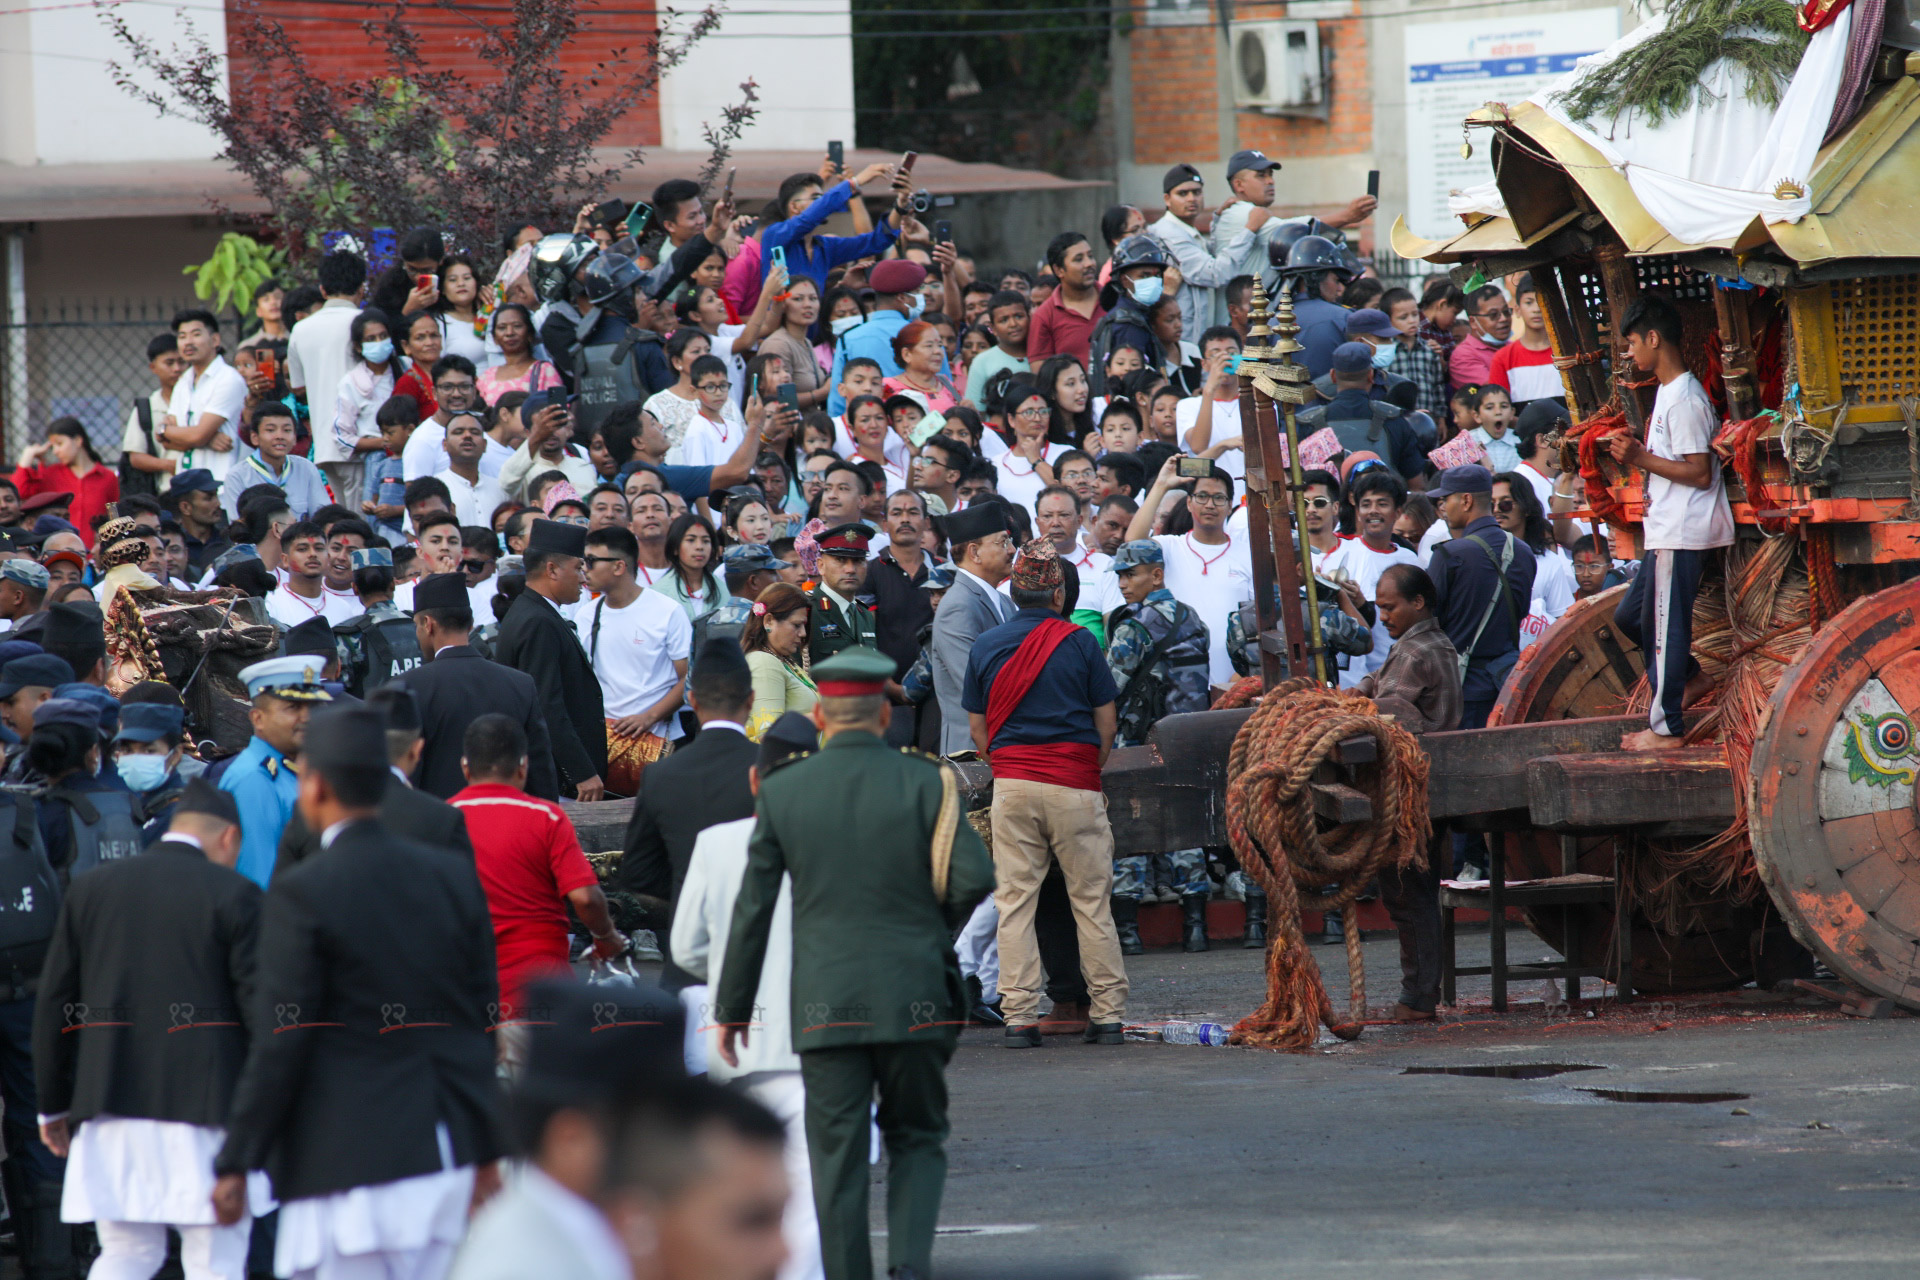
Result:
pixel 1162 1161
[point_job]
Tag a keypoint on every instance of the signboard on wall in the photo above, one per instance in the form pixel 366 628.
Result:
pixel 1453 68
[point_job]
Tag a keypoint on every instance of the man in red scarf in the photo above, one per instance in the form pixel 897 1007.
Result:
pixel 1040 705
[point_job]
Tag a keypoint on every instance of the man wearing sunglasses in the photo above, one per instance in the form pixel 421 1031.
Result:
pixel 1490 321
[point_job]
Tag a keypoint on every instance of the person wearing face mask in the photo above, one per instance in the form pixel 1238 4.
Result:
pixel 896 304
pixel 1490 321
pixel 1359 420
pixel 1136 286
pixel 1370 326
pixel 147 751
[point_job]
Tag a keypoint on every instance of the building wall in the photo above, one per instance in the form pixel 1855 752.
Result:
pixel 58 101
pixel 800 58
pixel 1182 106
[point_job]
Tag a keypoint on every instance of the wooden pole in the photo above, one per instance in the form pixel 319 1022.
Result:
pixel 1622 288
pixel 1275 503
pixel 1586 384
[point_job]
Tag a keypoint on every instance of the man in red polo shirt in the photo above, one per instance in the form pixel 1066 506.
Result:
pixel 1040 705
pixel 1063 324
pixel 529 862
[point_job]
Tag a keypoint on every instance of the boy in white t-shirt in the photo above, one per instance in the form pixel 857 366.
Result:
pixel 1377 495
pixel 1687 519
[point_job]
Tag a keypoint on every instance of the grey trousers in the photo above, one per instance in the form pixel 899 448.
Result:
pixel 1412 899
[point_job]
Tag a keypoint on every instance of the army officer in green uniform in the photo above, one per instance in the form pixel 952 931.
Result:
pixel 840 620
pixel 859 827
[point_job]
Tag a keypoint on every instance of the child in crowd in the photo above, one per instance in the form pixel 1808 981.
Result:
pixel 1120 428
pixel 386 483
pixel 1591 569
pixel 1493 411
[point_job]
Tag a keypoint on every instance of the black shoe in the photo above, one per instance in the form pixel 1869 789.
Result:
pixel 979 1012
pixel 1126 923
pixel 1193 919
pixel 1027 1037
pixel 1256 921
pixel 1103 1033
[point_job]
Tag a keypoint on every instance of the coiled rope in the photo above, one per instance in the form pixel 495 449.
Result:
pixel 1277 837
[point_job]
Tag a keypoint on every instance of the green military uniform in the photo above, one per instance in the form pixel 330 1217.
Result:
pixel 834 628
pixel 877 994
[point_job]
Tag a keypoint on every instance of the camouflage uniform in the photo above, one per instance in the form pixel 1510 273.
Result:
pixel 1342 635
pixel 1134 630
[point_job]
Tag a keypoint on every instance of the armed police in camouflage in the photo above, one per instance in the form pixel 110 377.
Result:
pixel 380 643
pixel 1157 651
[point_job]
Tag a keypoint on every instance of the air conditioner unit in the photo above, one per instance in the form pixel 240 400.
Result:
pixel 1277 67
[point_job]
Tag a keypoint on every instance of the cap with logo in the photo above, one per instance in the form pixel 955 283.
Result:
pixel 854 672
pixel 1255 160
pixel 295 678
pixel 1178 174
pixel 848 541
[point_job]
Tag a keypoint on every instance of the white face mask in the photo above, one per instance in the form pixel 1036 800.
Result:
pixel 1147 290
pixel 843 323
pixel 916 306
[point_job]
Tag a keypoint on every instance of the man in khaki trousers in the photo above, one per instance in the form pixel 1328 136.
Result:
pixel 1040 706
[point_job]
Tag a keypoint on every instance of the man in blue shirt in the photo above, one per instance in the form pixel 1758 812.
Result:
pixel 263 784
pixel 1040 705
pixel 813 256
pixel 692 483
pixel 896 304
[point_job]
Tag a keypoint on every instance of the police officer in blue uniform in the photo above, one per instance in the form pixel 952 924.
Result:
pixel 263 782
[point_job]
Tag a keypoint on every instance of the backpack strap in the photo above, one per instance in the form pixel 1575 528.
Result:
pixel 593 647
pixel 144 409
pixel 1501 593
pixel 26 824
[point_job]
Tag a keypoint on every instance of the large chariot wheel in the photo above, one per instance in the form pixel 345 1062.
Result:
pixel 1584 666
pixel 1831 795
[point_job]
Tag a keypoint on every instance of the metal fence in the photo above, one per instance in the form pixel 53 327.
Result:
pixel 78 360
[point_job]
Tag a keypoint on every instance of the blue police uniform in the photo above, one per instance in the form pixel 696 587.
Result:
pixel 260 779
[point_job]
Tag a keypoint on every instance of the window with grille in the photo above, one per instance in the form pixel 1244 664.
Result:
pixel 1877 322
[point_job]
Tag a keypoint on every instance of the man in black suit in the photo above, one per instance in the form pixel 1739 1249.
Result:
pixel 694 788
pixel 457 685
pixel 403 810
pixel 141 1033
pixel 375 1072
pixel 535 637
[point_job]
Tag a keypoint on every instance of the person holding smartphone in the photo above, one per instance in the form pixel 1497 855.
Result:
pixel 813 256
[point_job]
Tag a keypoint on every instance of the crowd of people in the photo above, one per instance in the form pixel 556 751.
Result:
pixel 718 520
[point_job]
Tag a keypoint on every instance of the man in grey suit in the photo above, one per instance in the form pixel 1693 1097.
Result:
pixel 982 551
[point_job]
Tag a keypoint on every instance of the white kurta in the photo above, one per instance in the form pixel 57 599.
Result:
pixel 423 1216
pixel 126 1169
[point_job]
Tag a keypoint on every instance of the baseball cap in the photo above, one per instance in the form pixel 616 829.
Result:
pixel 1352 357
pixel 1141 551
pixel 1469 478
pixel 25 572
pixel 1371 321
pixel 1254 160
pixel 194 479
pixel 1178 174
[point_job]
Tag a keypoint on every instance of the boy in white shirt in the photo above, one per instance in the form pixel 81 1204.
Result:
pixel 1687 519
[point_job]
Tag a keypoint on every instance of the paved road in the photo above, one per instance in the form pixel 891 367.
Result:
pixel 1222 1163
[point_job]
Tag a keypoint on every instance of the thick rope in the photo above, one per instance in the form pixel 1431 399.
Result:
pixel 1277 837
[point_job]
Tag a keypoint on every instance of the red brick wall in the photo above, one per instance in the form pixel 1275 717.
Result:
pixel 1174 96
pixel 332 39
pixel 1175 101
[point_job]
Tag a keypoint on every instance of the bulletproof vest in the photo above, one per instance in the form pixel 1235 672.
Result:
pixel 29 895
pixel 1175 681
pixel 604 376
pixel 724 623
pixel 106 827
pixel 388 648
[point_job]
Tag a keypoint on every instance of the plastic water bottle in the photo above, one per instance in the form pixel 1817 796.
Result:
pixel 1211 1034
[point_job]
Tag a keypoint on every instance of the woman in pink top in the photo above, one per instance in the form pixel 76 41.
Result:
pixel 518 371
pixel 920 353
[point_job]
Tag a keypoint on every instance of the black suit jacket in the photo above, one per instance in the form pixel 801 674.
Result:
pixel 681 796
pixel 376 996
pixel 694 788
pixel 408 813
pixel 455 689
pixel 534 638
pixel 148 989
